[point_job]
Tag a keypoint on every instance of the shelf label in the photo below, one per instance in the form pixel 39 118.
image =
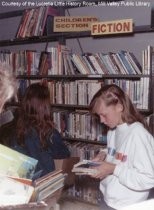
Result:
pixel 112 27
pixel 73 23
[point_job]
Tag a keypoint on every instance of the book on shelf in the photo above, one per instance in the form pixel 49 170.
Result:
pixel 79 64
pixel 36 22
pixel 148 60
pixel 22 24
pixel 127 66
pixel 96 64
pixel 47 24
pixel 105 60
pixel 86 167
pixel 114 65
pixel 92 68
pixel 134 62
pixel 102 65
pixel 44 64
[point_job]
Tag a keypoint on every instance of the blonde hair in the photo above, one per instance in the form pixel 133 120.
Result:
pixel 112 95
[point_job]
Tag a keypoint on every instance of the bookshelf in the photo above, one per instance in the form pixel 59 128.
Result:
pixel 58 36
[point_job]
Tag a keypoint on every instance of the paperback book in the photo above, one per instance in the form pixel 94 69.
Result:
pixel 86 167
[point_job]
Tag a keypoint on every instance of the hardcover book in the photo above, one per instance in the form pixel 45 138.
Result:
pixel 47 185
pixel 16 164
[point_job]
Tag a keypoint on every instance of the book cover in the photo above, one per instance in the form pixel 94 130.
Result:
pixel 16 164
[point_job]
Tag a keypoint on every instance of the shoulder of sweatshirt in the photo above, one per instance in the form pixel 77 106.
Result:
pixel 138 128
pixel 134 132
pixel 139 134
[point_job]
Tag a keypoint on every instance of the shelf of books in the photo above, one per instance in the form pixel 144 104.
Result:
pixel 73 79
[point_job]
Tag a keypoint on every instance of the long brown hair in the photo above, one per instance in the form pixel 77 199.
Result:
pixel 35 113
pixel 112 95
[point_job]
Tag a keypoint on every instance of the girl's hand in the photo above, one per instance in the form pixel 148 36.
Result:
pixel 104 170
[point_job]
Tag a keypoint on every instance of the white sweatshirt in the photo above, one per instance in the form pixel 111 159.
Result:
pixel 131 147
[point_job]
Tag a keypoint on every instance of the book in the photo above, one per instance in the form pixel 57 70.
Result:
pixel 36 22
pixel 126 63
pixel 47 23
pixel 21 26
pixel 44 63
pixel 134 62
pixel 47 185
pixel 16 164
pixel 50 189
pixel 13 192
pixel 90 64
pixel 87 163
pixel 86 167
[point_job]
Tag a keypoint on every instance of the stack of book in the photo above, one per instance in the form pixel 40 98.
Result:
pixel 19 184
pixel 47 185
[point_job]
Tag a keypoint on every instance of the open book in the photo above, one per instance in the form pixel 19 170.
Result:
pixel 13 192
pixel 85 167
pixel 15 164
pixel 16 173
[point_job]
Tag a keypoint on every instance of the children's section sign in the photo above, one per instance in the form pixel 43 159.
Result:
pixel 112 27
pixel 73 23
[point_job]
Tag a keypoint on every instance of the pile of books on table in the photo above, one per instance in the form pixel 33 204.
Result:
pixel 17 183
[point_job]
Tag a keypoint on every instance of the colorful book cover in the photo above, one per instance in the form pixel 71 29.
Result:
pixel 15 164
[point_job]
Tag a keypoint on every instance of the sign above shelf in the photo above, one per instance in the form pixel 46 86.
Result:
pixel 112 27
pixel 73 23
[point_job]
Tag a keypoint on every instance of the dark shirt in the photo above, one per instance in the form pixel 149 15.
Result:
pixel 56 149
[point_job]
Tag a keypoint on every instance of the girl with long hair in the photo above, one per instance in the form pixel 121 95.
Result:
pixel 127 169
pixel 36 135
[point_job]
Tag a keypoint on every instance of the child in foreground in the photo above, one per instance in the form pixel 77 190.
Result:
pixel 127 170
